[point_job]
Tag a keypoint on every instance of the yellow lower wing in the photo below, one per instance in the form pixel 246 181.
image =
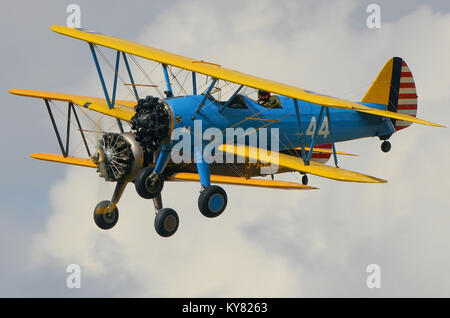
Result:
pixel 183 176
pixel 274 184
pixel 294 163
pixel 66 160
pixel 122 109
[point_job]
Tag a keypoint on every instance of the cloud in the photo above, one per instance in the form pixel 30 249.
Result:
pixel 274 243
pixel 206 257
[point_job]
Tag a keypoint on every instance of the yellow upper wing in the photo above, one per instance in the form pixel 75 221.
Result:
pixel 294 163
pixel 122 109
pixel 225 74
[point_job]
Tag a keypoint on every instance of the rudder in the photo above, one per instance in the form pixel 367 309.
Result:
pixel 395 88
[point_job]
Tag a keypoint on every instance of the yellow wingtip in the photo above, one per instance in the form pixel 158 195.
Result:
pixel 83 162
pixel 14 91
pixel 56 27
pixel 441 126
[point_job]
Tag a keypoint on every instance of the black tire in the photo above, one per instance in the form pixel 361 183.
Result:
pixel 143 188
pixel 212 201
pixel 166 222
pixel 103 220
pixel 305 180
pixel 385 146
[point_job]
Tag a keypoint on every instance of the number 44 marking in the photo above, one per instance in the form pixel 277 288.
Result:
pixel 323 131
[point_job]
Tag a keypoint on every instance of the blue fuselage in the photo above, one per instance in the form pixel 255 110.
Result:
pixel 345 124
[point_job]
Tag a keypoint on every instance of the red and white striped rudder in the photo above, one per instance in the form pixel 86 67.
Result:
pixel 407 96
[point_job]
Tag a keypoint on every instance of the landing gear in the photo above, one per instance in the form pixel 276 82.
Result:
pixel 212 201
pixel 148 185
pixel 385 146
pixel 106 215
pixel 166 222
pixel 305 179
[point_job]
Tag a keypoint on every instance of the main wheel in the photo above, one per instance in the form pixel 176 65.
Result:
pixel 166 222
pixel 145 187
pixel 212 201
pixel 104 219
pixel 385 146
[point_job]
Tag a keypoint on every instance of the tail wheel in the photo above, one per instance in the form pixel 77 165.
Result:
pixel 147 187
pixel 212 201
pixel 166 222
pixel 305 180
pixel 385 146
pixel 106 216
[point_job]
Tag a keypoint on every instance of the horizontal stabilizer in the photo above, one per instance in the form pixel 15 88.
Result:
pixel 274 184
pixel 294 163
pixel 398 116
pixel 66 160
pixel 327 151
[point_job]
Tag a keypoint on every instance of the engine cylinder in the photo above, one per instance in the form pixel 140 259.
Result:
pixel 152 123
pixel 119 157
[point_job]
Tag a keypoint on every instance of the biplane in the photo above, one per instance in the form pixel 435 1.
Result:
pixel 303 128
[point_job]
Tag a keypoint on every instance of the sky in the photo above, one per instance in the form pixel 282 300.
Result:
pixel 267 243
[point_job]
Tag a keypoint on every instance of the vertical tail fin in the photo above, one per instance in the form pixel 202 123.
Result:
pixel 395 88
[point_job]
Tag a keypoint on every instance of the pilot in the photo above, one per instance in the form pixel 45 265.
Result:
pixel 267 100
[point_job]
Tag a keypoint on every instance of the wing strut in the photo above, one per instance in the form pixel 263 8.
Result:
pixel 100 75
pixel 111 102
pixel 300 134
pixel 70 110
pixel 169 92
pixel 316 131
pixel 332 137
pixel 313 140
pixel 58 136
pixel 194 83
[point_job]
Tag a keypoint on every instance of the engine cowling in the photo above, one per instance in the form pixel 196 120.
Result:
pixel 120 157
